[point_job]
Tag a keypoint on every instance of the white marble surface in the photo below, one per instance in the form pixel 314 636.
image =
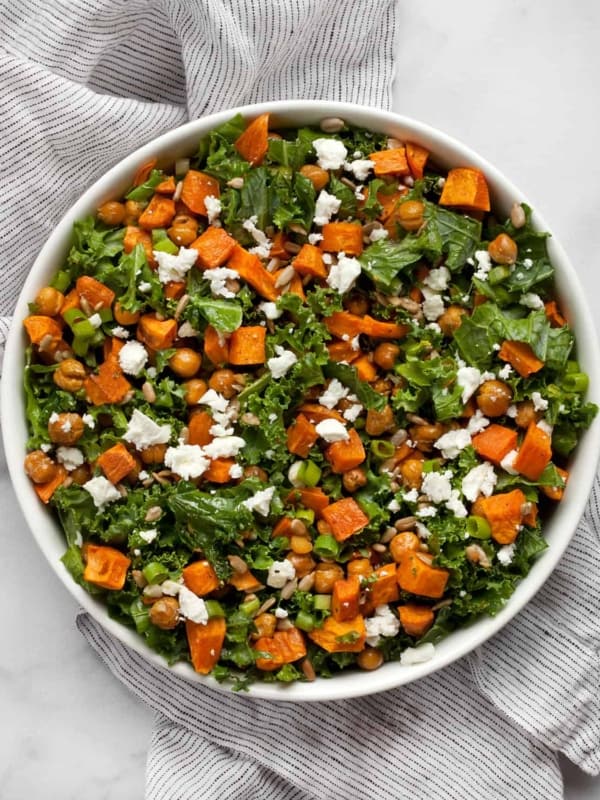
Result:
pixel 517 81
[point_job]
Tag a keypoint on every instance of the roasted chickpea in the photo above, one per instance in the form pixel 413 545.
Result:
pixel 370 658
pixel 155 454
pixel 426 433
pixel 325 576
pixel 81 475
pixel 401 543
pixel 183 230
pixel 359 566
pixel 49 301
pixel 124 317
pixel 385 355
pixel 526 414
pixel 69 375
pixel 265 625
pixel 379 422
pixel 185 362
pixel 410 214
pixel 451 320
pixel 382 386
pixel 112 213
pixel 323 527
pixel 503 250
pixel 493 398
pixel 194 390
pixel 133 211
pixel 65 428
pixel 255 472
pixel 411 472
pixel 354 479
pixel 164 613
pixel 301 545
pixel 303 564
pixel 316 175
pixel 357 304
pixel 39 466
pixel 224 381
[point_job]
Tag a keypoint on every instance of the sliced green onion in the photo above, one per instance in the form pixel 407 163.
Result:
pixel 306 515
pixel 105 314
pixel 415 349
pixel 61 281
pixel 572 366
pixel 294 474
pixel 80 346
pixel 214 608
pixel 382 449
pixel 322 602
pixel 154 572
pixel 73 315
pixel 250 607
pixel 575 382
pixel 166 246
pixel 326 546
pixel 498 274
pixel 83 328
pixel 311 474
pixel 140 615
pixel 478 528
pixel 305 621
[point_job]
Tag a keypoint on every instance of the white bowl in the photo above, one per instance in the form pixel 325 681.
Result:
pixel 181 142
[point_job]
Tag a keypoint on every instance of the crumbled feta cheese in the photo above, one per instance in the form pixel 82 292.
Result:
pixel 353 412
pixel 484 264
pixel 218 278
pixel 170 588
pixel 326 206
pixel 331 153
pixel 120 332
pixel 281 613
pixel 545 427
pixel 45 448
pixel 423 532
pixel 95 320
pixel 531 300
pixel 378 234
pixel 504 372
pixel 433 326
pixel 144 286
pixel 412 496
pixel 455 505
pixel 315 238
pixel 527 262
pixel 89 421
pixel 143 431
pixel 212 205
pixel 477 422
pixel 358 192
pixel 479 480
pixel 270 310
pixel 433 305
pixel 343 274
pixel 151 372
pixel 469 380
pixel 186 331
pixel 383 623
pixel 512 411
pixel 438 279
pixel 102 491
pixel 360 168
pixel 417 655
pixel 280 572
pixel 505 554
pixel 426 511
pixel 327 258
pixel 133 357
pixel 333 394
pixel 263 242
pixel 53 417
pixel 437 486
pixel 186 460
pixel 174 267
pixel 451 443
pixel 143 475
pixel 218 429
pixel 214 400
pixel 69 457
pixel 192 607
pixel 236 471
pixel 282 362
pixel 224 447
pixel 507 462
pixel 539 403
pixel 148 535
pixel 393 506
pixel 332 431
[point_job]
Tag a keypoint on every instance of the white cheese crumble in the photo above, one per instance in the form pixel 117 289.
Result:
pixel 213 207
pixel 451 443
pixel 270 310
pixel 214 400
pixel 331 153
pixel 45 448
pixel 455 505
pixel 353 412
pixel 102 491
pixel 378 234
pixel 423 531
pixel 133 357
pixel 505 554
pixel 69 457
pixel 437 486
pixel 360 168
pixel 95 320
pixel 326 206
pixel 469 380
pixel 192 607
pixel 89 421
pixel 263 243
pixel 53 417
pixel 426 511
pixel 477 422
pixel 217 278
pixel 143 475
pixel 260 501
pixel 412 496
pixel 148 535
pixel 539 403
pixel 333 394
pixel 479 480
pixel 332 431
pixel 343 274
pixel 433 305
pixel 508 461
pixel 144 286
pixel 143 431
pixel 383 623
pixel 484 264
pixel 186 331
pixel 281 613
pixel 224 447
pixel 280 363
pixel 120 332
pixel 280 572
pixel 393 506
pixel 186 460
pixel 512 411
pixel 417 655
pixel 505 372
pixel 315 238
pixel 531 300
pixel 438 279
pixel 174 267
pixel 236 471
pixel 545 427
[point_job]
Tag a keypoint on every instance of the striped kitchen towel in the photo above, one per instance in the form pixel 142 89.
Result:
pixel 82 83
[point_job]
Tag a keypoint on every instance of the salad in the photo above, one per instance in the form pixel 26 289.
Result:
pixel 301 402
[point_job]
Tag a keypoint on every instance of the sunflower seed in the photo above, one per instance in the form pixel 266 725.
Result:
pixel 405 524
pixel 331 125
pixel 148 392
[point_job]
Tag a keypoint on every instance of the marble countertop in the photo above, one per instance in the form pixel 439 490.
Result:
pixel 515 80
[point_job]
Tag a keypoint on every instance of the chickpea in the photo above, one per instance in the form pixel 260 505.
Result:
pixel 194 390
pixel 301 545
pixel 124 317
pixel 426 433
pixel 49 301
pixel 354 479
pixel 402 543
pixel 451 320
pixel 370 658
pixel 325 576
pixel 255 472
pixel 382 386
pixel 411 472
pixel 69 375
pixel 323 527
pixel 265 625
pixel 185 362
pixel 493 398
pixel 155 454
pixel 357 304
pixel 526 414
pixel 39 466
pixel 164 613
pixel 224 381
pixel 379 422
pixel 410 215
pixel 65 428
pixel 111 213
pixel 81 475
pixel 183 230
pixel 385 355
pixel 133 211
pixel 303 564
pixel 503 250
pixel 316 175
pixel 359 566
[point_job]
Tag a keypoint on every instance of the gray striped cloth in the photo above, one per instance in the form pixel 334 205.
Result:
pixel 84 82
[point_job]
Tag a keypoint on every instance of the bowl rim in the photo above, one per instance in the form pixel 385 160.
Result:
pixel 564 518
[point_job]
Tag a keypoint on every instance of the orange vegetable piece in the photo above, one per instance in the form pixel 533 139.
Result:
pixel 38 327
pixel 301 436
pixel 283 527
pixel 143 172
pixel 417 158
pixel 108 386
pixel 521 357
pixel 345 598
pixel 466 187
pixel 253 144
pixel 284 647
pixel 552 492
pixel 214 247
pixel 245 582
pixel 197 186
pixel 416 620
pixel 45 490
pixel 389 203
pixel 379 329
pixel 317 413
pixel 249 267
pixel 116 462
pixel 71 301
pixel 295 286
pixel 345 518
pixel 415 575
pixel 342 237
pixel 205 643
pixel 390 162
pixel 341 637
pixel 504 512
pixel 97 294
pixel 534 453
pixel 174 289
pixel 218 470
pixel 360 567
pixel 342 351
pixel 200 578
pixel 384 589
pixel 158 213
pixel 313 498
pixel 495 442
pixel 367 371
pixel 133 237
pixel 199 428
pixel 277 247
pixel 216 346
pixel 247 345
pixel 105 566
pixel 346 455
pixel 167 186
pixel 158 334
pixel 343 323
pixel 553 315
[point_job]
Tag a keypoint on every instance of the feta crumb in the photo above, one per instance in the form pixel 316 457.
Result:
pixel 438 279
pixel 531 300
pixel 545 426
pixel 270 310
pixel 144 286
pixel 53 417
pixel 360 168
pixel 151 372
pixel 343 274
pixel 479 480
pixel 433 326
pixel 423 532
pixel 149 535
pixel 120 332
pixel 333 394
pixel 505 554
pixel 69 457
pixel 455 505
pixel 281 613
pixel 263 242
pixel 353 412
pixel 332 431
pixel 477 422
pixel 417 655
pixel 174 267
pixel 102 491
pixel 426 511
pixel 437 486
pixel 331 153
pixel 484 264
pixel 512 411
pixel 224 447
pixel 95 320
pixel 236 471
pixel 170 588
pixel 393 506
pixel 507 462
pixel 378 234
pixel 218 429
pixel 469 380
pixel 282 362
pixel 412 496
pixel 539 403
pixel 186 460
pixel 45 448
pixel 133 357
pixel 218 278
pixel 89 421
pixel 280 572
pixel 260 501
pixel 214 400
pixel 327 258
pixel 358 192
pixel 192 607
pixel 326 206
pixel 433 305
pixel 143 431
pixel 383 623
pixel 451 443
pixel 213 208
pixel 505 372
pixel 143 475
pixel 186 331
pixel 315 238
